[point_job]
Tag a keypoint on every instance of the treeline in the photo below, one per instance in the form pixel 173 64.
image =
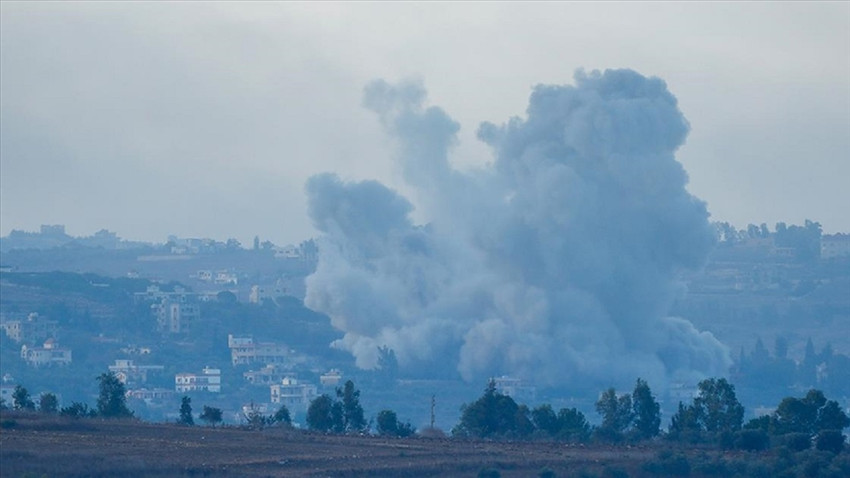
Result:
pixel 804 240
pixel 111 401
pixel 803 437
pixel 758 369
pixel 714 416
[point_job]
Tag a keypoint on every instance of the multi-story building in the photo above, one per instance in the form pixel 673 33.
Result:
pixel 835 245
pixel 209 380
pixel 331 378
pixel 268 375
pixel 49 354
pixel 152 395
pixel 244 350
pixel 295 395
pixel 130 374
pixel 515 388
pixel 177 313
pixel 259 293
pixel 33 329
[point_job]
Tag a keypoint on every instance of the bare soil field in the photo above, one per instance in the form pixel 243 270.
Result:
pixel 33 445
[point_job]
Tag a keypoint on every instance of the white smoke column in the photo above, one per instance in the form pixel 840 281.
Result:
pixel 556 263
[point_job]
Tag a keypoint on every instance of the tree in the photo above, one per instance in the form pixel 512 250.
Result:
pixel 48 403
pixel 256 419
pixel 211 415
pixel 21 399
pixel 810 414
pixel 572 425
pixel 389 425
pixel 545 419
pixel 794 415
pixel 831 417
pixel 321 416
pixel 617 414
pixel 492 415
pixel 226 297
pixel 186 412
pixel 685 424
pixel 353 418
pixel 77 410
pixel 112 403
pixel 717 408
pixel 830 440
pixel 647 411
pixel 282 416
pixel 387 364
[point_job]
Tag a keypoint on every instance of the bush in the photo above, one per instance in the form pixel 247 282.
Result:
pixel 668 464
pixel 797 441
pixel 752 440
pixel 77 410
pixel 813 463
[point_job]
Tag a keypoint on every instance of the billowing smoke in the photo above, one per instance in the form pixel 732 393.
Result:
pixel 556 262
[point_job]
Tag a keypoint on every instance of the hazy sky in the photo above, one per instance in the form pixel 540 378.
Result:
pixel 206 119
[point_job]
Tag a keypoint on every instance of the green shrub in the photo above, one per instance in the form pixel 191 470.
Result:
pixel 668 464
pixel 752 440
pixel 796 441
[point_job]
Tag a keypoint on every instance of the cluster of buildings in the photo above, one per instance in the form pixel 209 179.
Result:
pixel 222 277
pixel 37 335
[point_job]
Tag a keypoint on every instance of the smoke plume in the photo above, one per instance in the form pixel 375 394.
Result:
pixel 556 262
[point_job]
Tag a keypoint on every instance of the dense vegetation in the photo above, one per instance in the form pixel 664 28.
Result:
pixel 803 437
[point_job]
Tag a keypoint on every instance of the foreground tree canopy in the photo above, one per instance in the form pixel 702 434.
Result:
pixel 342 415
pixel 713 418
pixel 112 402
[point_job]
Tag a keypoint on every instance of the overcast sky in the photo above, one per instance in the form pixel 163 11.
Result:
pixel 206 119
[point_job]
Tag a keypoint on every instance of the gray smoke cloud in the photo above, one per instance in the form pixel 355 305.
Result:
pixel 556 262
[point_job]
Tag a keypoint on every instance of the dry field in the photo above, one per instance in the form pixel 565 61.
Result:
pixel 35 446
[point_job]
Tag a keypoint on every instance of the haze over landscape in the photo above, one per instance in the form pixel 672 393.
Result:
pixel 205 120
pixel 329 226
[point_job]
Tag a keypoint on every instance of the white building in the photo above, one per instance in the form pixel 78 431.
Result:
pixel 244 350
pixel 6 391
pixel 177 313
pixel 209 380
pixel 153 395
pixel 34 328
pixel 259 294
pixel 49 354
pixel 293 394
pixel 331 379
pixel 515 388
pixel 129 373
pixel 268 375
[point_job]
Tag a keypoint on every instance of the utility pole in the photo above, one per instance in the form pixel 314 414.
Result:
pixel 433 403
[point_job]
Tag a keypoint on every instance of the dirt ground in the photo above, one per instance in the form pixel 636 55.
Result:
pixel 34 446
